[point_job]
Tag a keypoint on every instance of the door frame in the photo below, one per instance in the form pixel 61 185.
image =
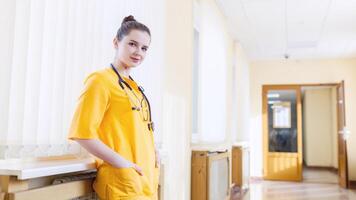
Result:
pixel 299 154
pixel 343 183
pixel 265 122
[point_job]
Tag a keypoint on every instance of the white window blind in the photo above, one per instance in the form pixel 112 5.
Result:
pixel 47 48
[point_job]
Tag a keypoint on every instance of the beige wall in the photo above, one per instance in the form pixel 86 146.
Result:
pixel 176 97
pixel 319 127
pixel 220 58
pixel 334 126
pixel 297 72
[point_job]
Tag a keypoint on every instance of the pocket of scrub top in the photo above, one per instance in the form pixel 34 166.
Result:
pixel 126 183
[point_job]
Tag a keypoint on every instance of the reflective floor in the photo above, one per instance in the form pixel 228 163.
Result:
pixel 312 175
pixel 268 190
pixel 318 185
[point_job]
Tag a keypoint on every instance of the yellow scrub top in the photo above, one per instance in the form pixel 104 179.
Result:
pixel 104 112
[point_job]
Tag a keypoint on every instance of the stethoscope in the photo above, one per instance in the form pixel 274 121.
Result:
pixel 122 82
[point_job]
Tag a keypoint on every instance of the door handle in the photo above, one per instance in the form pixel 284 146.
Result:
pixel 345 133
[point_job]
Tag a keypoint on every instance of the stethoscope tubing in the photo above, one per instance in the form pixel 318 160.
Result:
pixel 122 81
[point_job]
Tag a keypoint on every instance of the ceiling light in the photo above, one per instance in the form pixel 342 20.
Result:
pixel 273 95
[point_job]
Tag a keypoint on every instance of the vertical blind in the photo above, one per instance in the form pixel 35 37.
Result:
pixel 47 48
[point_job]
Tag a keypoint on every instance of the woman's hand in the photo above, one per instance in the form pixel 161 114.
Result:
pixel 138 169
pixel 129 164
pixel 100 150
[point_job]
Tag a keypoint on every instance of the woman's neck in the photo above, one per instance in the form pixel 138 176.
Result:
pixel 122 68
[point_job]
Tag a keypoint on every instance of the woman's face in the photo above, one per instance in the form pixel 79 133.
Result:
pixel 131 50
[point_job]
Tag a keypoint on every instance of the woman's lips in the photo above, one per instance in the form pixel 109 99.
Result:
pixel 136 60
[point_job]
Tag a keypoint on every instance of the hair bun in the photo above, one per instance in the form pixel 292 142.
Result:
pixel 129 18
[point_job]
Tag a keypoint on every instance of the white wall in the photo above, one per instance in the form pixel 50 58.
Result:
pixel 319 127
pixel 297 72
pixel 215 88
pixel 177 98
pixel 224 81
pixel 215 79
pixel 224 86
pixel 241 99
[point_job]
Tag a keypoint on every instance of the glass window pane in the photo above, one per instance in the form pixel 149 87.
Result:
pixel 282 120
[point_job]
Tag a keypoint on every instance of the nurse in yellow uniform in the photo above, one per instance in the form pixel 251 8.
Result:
pixel 113 122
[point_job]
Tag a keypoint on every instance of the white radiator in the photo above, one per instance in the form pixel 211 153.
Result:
pixel 210 179
pixel 219 179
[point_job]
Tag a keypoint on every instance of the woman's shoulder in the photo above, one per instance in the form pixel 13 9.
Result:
pixel 103 76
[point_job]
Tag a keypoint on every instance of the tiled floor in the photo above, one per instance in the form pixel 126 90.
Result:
pixel 318 185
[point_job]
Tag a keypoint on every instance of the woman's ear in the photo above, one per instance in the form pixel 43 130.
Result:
pixel 116 43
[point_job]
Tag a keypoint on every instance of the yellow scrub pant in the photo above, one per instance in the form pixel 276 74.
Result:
pixel 124 184
pixel 133 198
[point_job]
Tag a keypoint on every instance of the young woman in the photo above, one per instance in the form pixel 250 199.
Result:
pixel 113 121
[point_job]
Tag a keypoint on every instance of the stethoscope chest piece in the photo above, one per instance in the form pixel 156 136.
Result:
pixel 151 126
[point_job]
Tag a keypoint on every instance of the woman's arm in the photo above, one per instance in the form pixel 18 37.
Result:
pixel 100 150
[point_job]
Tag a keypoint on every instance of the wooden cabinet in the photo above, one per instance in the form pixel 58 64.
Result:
pixel 241 165
pixel 210 177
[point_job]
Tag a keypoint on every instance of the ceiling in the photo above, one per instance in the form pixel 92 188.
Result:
pixel 301 29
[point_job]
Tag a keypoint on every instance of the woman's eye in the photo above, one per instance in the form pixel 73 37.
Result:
pixel 132 44
pixel 144 49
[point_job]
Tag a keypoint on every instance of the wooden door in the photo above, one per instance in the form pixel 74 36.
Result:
pixel 282 132
pixel 342 153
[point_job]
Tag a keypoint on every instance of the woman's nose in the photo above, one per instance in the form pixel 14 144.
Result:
pixel 139 52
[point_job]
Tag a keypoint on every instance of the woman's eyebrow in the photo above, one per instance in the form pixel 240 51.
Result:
pixel 134 41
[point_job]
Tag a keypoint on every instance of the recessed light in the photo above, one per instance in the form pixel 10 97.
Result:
pixel 273 95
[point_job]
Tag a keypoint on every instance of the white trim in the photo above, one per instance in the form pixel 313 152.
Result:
pixel 27 169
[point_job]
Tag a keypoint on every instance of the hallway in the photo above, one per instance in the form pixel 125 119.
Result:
pixel 273 190
pixel 204 70
pixel 312 175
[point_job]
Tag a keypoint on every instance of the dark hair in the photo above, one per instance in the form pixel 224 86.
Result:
pixel 128 24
